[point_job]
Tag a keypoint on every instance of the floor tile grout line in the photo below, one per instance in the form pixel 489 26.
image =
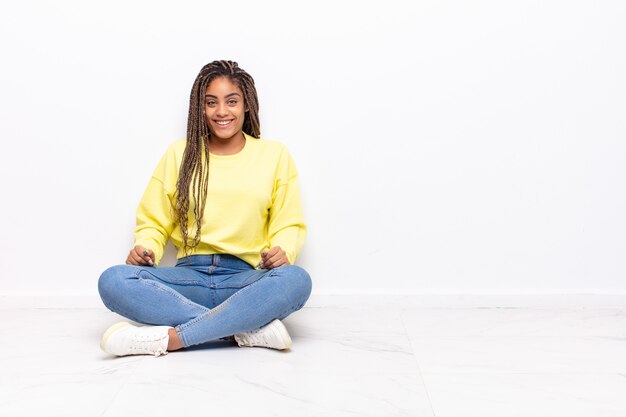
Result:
pixel 419 369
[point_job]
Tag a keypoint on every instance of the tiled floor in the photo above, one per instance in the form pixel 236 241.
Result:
pixel 348 359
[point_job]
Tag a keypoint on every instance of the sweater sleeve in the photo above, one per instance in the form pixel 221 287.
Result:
pixel 154 213
pixel 286 227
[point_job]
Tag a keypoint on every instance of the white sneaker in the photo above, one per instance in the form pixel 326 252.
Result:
pixel 273 335
pixel 123 339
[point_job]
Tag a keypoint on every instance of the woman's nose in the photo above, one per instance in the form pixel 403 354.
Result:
pixel 221 109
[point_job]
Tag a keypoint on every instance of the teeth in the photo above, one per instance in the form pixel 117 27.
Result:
pixel 223 122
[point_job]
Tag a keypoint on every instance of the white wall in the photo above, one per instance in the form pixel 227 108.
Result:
pixel 443 146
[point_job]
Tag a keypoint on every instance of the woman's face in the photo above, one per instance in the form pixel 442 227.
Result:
pixel 224 108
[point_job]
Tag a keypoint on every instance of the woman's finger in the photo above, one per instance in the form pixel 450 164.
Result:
pixel 146 256
pixel 280 262
pixel 276 264
pixel 136 258
pixel 277 260
pixel 269 262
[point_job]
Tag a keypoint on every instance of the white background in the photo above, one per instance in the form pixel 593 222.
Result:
pixel 443 146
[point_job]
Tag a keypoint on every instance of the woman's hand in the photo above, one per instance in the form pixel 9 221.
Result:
pixel 273 258
pixel 140 256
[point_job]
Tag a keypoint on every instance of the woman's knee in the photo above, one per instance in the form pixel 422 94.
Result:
pixel 112 281
pixel 297 283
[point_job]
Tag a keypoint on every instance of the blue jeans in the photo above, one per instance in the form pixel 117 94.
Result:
pixel 205 297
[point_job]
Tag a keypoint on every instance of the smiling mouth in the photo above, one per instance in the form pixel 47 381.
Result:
pixel 223 123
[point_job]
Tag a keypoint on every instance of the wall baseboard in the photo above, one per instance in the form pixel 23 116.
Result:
pixel 357 299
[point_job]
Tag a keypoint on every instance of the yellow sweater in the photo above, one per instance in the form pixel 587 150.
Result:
pixel 253 203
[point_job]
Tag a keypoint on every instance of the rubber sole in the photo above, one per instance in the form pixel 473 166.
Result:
pixel 110 331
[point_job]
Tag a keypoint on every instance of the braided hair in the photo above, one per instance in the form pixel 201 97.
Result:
pixel 193 178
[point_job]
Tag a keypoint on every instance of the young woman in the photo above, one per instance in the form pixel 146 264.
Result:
pixel 230 203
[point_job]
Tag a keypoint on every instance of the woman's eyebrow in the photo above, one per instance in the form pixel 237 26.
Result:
pixel 227 95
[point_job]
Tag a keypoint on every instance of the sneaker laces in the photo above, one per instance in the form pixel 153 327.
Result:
pixel 144 343
pixel 253 337
pixel 273 335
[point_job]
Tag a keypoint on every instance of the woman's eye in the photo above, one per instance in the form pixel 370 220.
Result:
pixel 232 102
pixel 210 103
